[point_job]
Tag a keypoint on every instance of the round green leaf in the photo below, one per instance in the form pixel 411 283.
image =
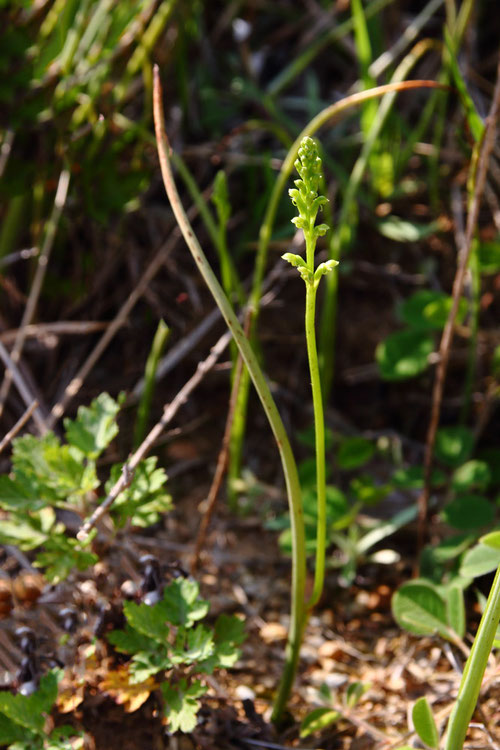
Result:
pixel 471 475
pixel 453 445
pixel 317 720
pixel 404 354
pixel 491 540
pixel 467 512
pixel 354 452
pixel 412 478
pixel 428 309
pixel 479 560
pixel 418 608
pixel 488 256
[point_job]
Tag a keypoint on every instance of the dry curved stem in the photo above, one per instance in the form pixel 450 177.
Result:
pixel 169 411
pixel 486 147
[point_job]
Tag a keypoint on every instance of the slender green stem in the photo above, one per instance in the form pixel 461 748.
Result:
pixel 319 435
pixel 268 404
pixel 308 202
pixel 474 670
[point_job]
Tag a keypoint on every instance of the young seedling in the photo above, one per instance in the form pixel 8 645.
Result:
pixel 308 202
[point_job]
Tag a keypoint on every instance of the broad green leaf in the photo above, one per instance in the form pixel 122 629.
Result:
pixel 181 604
pixel 471 475
pixel 424 723
pixel 467 512
pixel 182 704
pixel 94 427
pixel 479 560
pixel 455 608
pixel 401 230
pixel 488 256
pixel 428 309
pixel 354 452
pixel 418 607
pixel 150 621
pixel 491 540
pixel 453 445
pixel 404 354
pixel 492 457
pixel 317 720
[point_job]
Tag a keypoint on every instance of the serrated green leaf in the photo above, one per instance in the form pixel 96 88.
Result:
pixel 17 496
pixel 404 354
pixel 145 664
pixel 29 711
pixel 21 533
pixel 128 640
pixel 354 452
pixel 145 498
pixel 150 621
pixel 62 555
pixel 424 723
pixel 317 720
pixel 418 607
pixel 94 427
pixel 193 645
pixel 182 704
pixel 11 732
pixel 181 603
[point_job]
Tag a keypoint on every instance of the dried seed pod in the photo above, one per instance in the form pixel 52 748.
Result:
pixel 27 640
pixel 28 677
pixel 151 584
pixel 69 619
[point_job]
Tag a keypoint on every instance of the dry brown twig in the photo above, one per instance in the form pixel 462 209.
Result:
pixel 18 426
pixel 59 328
pixel 75 384
pixel 169 411
pixel 22 387
pixel 458 284
pixel 36 287
pixel 221 465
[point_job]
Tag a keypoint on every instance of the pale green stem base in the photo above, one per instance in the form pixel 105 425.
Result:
pixel 474 670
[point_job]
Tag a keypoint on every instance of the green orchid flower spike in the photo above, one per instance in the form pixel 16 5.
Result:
pixel 306 198
pixel 308 202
